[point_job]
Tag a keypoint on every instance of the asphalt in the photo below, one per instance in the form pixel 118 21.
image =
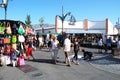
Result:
pixel 101 67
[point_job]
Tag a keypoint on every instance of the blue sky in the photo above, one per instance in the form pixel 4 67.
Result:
pixel 95 10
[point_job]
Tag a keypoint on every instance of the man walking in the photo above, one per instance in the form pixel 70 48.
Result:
pixel 67 46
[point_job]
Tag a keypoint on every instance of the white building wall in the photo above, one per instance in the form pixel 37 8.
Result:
pixel 96 24
pixel 111 29
pixel 79 24
pixel 66 26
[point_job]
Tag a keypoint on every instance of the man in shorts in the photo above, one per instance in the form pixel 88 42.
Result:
pixel 67 47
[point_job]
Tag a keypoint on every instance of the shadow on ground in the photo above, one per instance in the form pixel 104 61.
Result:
pixel 105 59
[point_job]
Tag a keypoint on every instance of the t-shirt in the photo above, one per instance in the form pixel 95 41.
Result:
pixel 54 44
pixel 76 46
pixel 100 43
pixel 29 44
pixel 67 44
pixel 118 44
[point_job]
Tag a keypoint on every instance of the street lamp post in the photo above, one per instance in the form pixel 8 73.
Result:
pixel 4 5
pixel 118 26
pixel 63 17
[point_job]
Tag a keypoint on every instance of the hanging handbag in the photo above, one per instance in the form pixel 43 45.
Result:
pixel 7 49
pixel 14 29
pixel 6 60
pixel 14 46
pixel 2 28
pixel 29 30
pixel 21 29
pixel 7 39
pixel 14 39
pixel 8 28
pixel 1 41
pixel 21 38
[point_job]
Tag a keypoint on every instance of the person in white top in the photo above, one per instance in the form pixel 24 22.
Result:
pixel 100 45
pixel 40 42
pixel 54 47
pixel 67 48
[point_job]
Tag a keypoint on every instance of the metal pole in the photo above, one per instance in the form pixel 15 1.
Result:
pixel 62 19
pixel 5 12
pixel 5 3
pixel 118 21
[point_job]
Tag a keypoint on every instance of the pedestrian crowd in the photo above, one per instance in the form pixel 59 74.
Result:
pixel 16 57
pixel 9 55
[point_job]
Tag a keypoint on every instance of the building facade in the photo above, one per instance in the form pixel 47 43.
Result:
pixel 46 28
pixel 86 26
pixel 104 27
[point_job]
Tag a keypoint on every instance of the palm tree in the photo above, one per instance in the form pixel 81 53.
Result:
pixel 28 20
pixel 41 20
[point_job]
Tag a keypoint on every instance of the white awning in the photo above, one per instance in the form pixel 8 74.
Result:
pixel 84 31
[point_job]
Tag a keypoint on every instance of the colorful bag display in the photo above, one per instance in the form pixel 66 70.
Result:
pixel 14 39
pixel 21 29
pixel 8 28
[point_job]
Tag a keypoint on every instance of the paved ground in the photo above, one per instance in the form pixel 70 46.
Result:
pixel 101 67
pixel 105 62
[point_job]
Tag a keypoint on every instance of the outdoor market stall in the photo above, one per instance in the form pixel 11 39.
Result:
pixel 11 35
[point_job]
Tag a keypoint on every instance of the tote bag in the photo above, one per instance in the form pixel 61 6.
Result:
pixel 14 29
pixel 14 46
pixel 7 39
pixel 14 39
pixel 21 29
pixel 29 30
pixel 21 61
pixel 2 28
pixel 21 38
pixel 8 28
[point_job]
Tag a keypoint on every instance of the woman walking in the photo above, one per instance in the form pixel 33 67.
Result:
pixel 76 48
pixel 29 49
pixel 54 47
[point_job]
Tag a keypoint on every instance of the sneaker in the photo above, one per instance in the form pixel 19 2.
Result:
pixel 73 61
pixel 68 65
pixel 77 63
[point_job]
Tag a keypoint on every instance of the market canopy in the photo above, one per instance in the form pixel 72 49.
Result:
pixel 84 31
